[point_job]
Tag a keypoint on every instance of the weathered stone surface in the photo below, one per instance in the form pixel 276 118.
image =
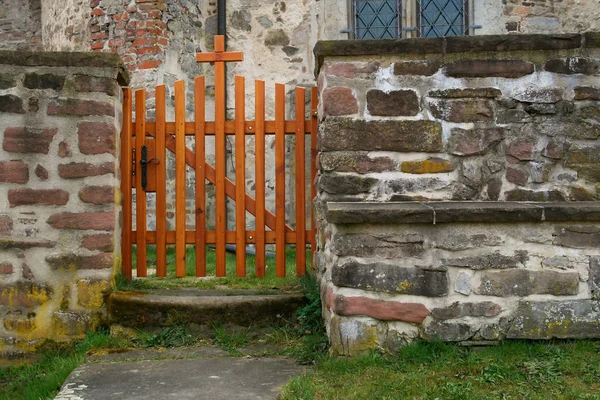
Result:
pixel 352 161
pixel 276 37
pixel 517 176
pixel 240 19
pixel 361 70
pixel 83 169
pixel 520 42
pixel 587 93
pixel 489 261
pixel 7 81
pixel 64 150
pixel 512 116
pixel 91 294
pixel 42 197
pixel 393 103
pixel 41 172
pixel 14 172
pixel 360 135
pixel 43 81
pixel 554 150
pixel 459 310
pixel 19 325
pixel 378 245
pixel 351 337
pixel 429 166
pixel 100 221
pixel 71 261
pixel 594 279
pixel 416 67
pixel 71 324
pixel 555 319
pixel 6 268
pixel 403 186
pixel 531 195
pixel 88 83
pixel 339 101
pixel 101 241
pixel 457 93
pixel 523 282
pixel 28 140
pixel 6 225
pixel 489 68
pixel 474 211
pixel 380 309
pixel 559 262
pixel 10 103
pixel 390 278
pixel 462 241
pixel 23 244
pixel 24 294
pixel 580 129
pixel 535 94
pixel 585 159
pixel 97 194
pixel 522 150
pixel 96 137
pixel 573 65
pixel 577 237
pixel 345 183
pixel 78 107
pixel 448 331
pixel 472 110
pixel 463 283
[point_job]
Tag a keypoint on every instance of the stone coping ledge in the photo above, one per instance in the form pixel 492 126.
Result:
pixel 455 44
pixel 460 211
pixel 67 59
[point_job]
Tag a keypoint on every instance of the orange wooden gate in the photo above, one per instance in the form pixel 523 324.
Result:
pixel 143 152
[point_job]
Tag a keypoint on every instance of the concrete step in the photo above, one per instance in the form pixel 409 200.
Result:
pixel 160 308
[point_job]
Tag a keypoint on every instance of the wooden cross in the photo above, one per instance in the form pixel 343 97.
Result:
pixel 220 55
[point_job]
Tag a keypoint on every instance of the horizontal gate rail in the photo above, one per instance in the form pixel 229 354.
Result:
pixel 144 150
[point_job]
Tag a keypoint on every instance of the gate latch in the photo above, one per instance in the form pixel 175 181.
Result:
pixel 144 164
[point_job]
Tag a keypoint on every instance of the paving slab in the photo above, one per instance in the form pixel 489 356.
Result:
pixel 197 378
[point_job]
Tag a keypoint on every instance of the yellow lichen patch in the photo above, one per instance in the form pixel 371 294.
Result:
pixel 91 294
pixel 429 166
pixel 19 325
pixel 72 325
pixel 403 286
pixel 24 294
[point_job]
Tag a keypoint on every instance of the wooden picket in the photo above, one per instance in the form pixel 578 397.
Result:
pixel 143 167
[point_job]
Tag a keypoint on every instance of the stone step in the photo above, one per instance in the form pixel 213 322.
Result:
pixel 160 308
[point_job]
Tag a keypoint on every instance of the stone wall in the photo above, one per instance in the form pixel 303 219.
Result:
pixel 59 208
pixel 20 25
pixel 457 188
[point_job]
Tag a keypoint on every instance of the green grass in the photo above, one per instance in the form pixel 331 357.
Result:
pixel 288 283
pixel 512 370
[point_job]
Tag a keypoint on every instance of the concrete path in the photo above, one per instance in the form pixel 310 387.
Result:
pixel 191 378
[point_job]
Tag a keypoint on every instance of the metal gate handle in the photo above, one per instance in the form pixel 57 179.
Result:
pixel 144 164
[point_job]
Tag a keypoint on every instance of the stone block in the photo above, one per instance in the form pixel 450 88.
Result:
pixel 535 94
pixel 574 65
pixel 339 101
pixel 461 241
pixel 521 42
pixel 19 325
pixel 100 221
pixel 489 68
pixel 28 140
pixel 353 161
pixel 6 268
pixel 100 241
pixel 41 172
pixel 96 137
pixel 14 172
pixel 378 245
pixel 531 195
pixel 523 282
pixel 43 81
pixel 88 83
pixel 70 261
pixel 584 158
pixel 359 70
pixel 7 81
pixel 517 176
pixel 379 309
pixel 577 237
pixel 463 283
pixel 468 142
pixel 522 150
pixel 91 294
pixel 402 186
pixel 448 331
pixel 554 150
pixel 25 243
pixel 490 93
pixel 351 337
pixel 345 183
pixel 587 93
pixel 79 107
pixel 563 319
pixel 489 261
pixel 358 135
pixel 24 294
pixel 276 37
pixel 9 103
pixel 416 67
pixel 64 150
pixel 42 197
pixel 471 110
pixel 393 103
pixel 69 324
pixel 580 129
pixel 594 279
pixel 429 166
pixel 97 195
pixel 485 309
pixel 76 170
pixel 390 278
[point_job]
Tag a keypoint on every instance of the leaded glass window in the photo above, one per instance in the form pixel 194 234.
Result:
pixel 441 17
pixel 377 19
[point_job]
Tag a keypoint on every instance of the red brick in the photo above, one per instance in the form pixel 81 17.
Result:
pixel 116 42
pixel 101 241
pixel 96 137
pixel 97 12
pixel 99 221
pixel 6 225
pixel 149 50
pixel 14 172
pixel 339 101
pixel 80 107
pixel 380 309
pixel 97 194
pixel 6 268
pixel 74 261
pixel 41 172
pixel 64 150
pixel 82 170
pixel 43 197
pixel 99 35
pixel 28 140
pixel 97 45
pixel 149 64
pixel 139 42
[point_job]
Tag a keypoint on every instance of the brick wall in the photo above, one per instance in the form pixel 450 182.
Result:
pixel 59 207
pixel 458 187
